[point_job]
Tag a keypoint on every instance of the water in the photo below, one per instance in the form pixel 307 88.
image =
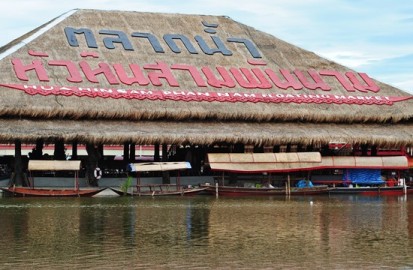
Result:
pixel 320 232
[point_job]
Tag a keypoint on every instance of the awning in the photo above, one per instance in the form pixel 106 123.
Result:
pixel 264 162
pixel 387 162
pixel 158 166
pixel 301 161
pixel 54 165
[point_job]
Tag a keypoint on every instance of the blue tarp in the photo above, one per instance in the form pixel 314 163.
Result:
pixel 304 183
pixel 363 176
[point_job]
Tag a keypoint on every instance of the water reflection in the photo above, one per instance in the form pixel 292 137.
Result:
pixel 203 232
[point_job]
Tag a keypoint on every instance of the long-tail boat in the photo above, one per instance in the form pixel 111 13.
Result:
pixel 159 189
pixel 52 165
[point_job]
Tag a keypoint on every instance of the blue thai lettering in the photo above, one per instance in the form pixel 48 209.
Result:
pixel 210 26
pixel 71 37
pixel 121 38
pixel 152 40
pixel 169 39
pixel 248 44
pixel 220 47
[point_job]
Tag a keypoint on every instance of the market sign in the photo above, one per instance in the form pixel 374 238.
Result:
pixel 154 80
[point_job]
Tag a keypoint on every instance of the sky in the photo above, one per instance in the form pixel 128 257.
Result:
pixel 371 36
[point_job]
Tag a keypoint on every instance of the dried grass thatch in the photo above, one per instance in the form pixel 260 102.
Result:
pixel 205 133
pixel 113 121
pixel 277 54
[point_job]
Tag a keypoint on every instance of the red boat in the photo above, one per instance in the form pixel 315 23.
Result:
pixel 253 163
pixel 372 191
pixel 52 165
pixel 49 192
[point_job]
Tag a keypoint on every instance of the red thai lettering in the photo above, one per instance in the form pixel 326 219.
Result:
pixel 165 73
pixel 289 80
pixel 212 80
pixel 245 78
pixel 340 78
pixel 37 66
pixel 137 77
pixel 74 74
pixel 103 69
pixel 194 73
pixel 369 83
pixel 318 81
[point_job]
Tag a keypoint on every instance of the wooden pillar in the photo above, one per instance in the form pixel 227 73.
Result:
pixel 364 149
pixel 59 150
pixel 374 150
pixel 38 150
pixel 132 153
pixel 288 148
pixel 239 148
pixel 164 152
pixel 126 152
pixel 100 149
pixel 18 176
pixel 74 150
pixel 258 149
pixel 156 156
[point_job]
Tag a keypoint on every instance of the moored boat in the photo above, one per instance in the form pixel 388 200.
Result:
pixel 263 164
pixel 372 191
pixel 49 192
pixel 161 190
pixel 52 165
pixel 259 191
pixel 158 189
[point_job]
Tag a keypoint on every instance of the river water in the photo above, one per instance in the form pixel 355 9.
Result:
pixel 320 232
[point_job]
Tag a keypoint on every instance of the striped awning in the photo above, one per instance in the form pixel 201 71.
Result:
pixel 54 165
pixel 301 161
pixel 158 166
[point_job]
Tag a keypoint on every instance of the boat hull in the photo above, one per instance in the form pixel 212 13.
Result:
pixel 245 191
pixel 184 192
pixel 372 191
pixel 48 192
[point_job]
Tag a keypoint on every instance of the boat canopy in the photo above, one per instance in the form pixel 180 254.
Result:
pixel 158 166
pixel 300 161
pixel 356 162
pixel 264 162
pixel 54 165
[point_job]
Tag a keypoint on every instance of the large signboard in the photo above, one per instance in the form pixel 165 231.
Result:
pixel 157 80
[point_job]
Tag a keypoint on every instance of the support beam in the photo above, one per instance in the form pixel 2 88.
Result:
pixel 156 156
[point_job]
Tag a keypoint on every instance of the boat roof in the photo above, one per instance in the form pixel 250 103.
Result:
pixel 301 161
pixel 54 165
pixel 158 166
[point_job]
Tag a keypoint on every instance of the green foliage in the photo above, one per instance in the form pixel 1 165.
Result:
pixel 126 185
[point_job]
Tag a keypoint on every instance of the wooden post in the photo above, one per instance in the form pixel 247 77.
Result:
pixel 216 190
pixel 288 185
pixel 156 156
pixel 126 153
pixel 164 152
pixel 59 150
pixel 74 150
pixel 132 153
pixel 18 164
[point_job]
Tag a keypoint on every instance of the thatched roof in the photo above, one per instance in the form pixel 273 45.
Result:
pixel 75 112
pixel 151 132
